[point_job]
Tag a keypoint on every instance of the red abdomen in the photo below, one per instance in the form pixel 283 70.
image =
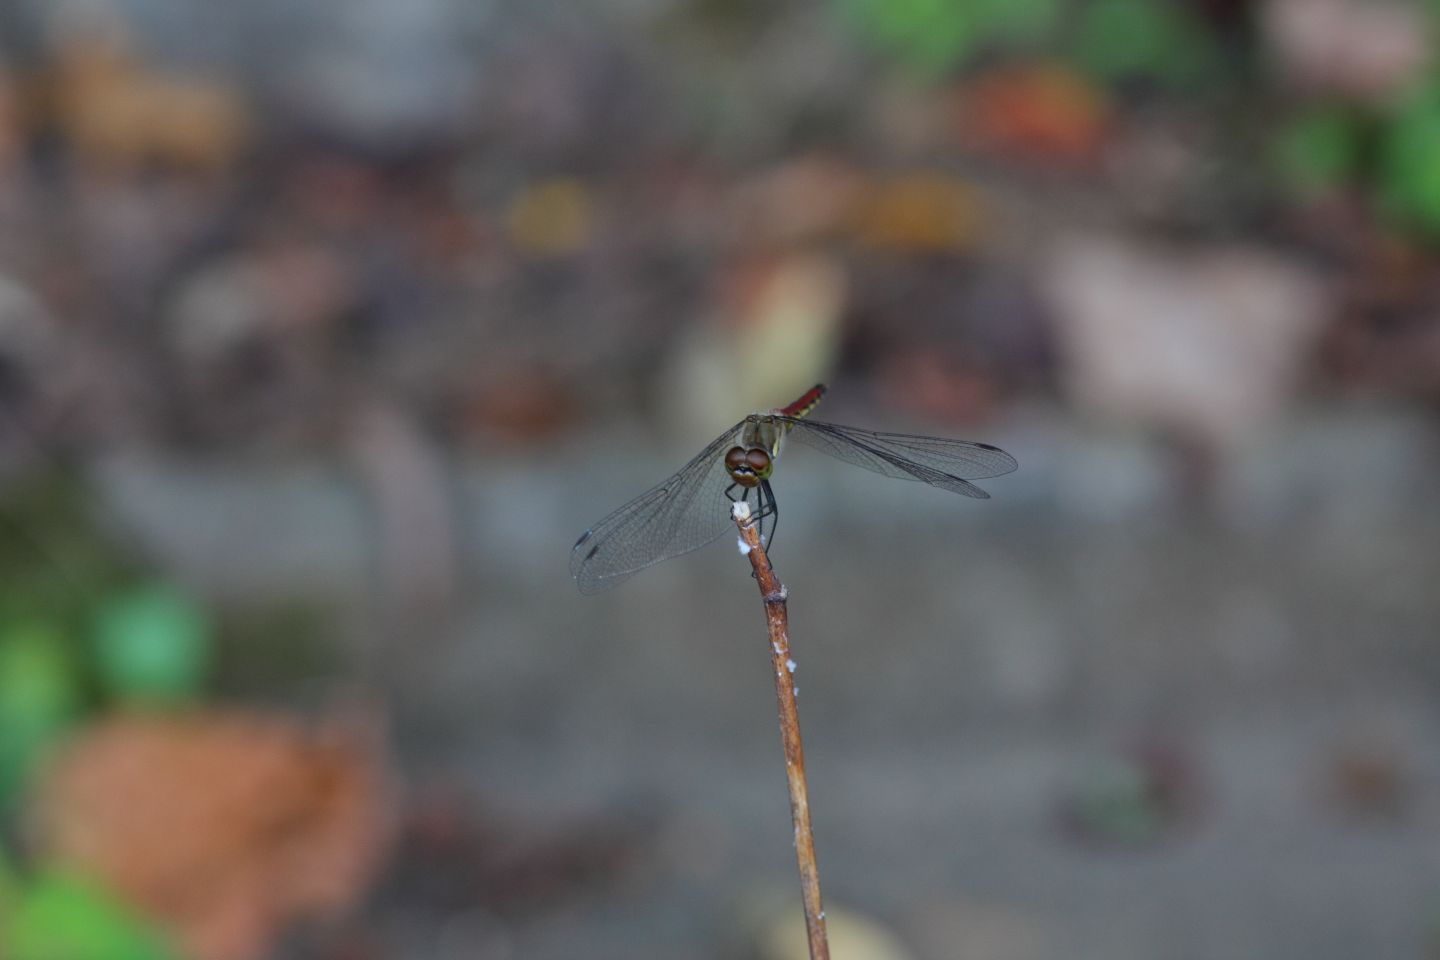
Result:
pixel 805 404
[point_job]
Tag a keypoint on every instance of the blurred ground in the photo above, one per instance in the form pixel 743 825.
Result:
pixel 966 675
pixel 325 328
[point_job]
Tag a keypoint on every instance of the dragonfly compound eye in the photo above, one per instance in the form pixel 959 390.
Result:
pixel 739 465
pixel 759 461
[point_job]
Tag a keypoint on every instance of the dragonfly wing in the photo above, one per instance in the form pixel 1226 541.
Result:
pixel 680 514
pixel 947 464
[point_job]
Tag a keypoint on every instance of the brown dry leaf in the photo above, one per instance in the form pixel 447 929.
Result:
pixel 551 218
pixel 1044 113
pixel 118 114
pixel 920 213
pixel 775 333
pixel 224 826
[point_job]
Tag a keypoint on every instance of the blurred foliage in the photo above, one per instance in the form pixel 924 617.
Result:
pixel 40 694
pixel 1409 189
pixel 81 627
pixel 1388 151
pixel 1391 156
pixel 79 613
pixel 934 36
pixel 152 645
pixel 1319 150
pixel 1161 42
pixel 54 563
pixel 79 618
pixel 63 916
pixel 54 569
pixel 1116 40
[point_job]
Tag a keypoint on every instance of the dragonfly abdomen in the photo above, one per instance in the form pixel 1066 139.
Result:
pixel 808 401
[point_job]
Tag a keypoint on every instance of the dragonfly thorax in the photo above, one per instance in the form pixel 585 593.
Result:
pixel 748 467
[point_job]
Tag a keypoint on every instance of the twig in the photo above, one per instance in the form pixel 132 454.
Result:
pixel 774 594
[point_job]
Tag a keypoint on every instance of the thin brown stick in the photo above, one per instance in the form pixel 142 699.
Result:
pixel 773 593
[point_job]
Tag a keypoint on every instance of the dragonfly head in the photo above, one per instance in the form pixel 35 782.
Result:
pixel 748 467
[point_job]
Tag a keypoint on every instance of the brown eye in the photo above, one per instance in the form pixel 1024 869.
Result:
pixel 758 459
pixel 735 458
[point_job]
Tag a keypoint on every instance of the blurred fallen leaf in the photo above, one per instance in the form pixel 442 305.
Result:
pixel 551 217
pixel 774 334
pixel 919 213
pixel 225 827
pixel 1042 113
pixel 780 935
pixel 117 113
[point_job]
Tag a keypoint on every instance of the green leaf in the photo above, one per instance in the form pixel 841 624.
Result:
pixel 1319 149
pixel 64 916
pixel 1143 39
pixel 152 644
pixel 1410 163
pixel 39 696
pixel 54 559
pixel 9 888
pixel 933 36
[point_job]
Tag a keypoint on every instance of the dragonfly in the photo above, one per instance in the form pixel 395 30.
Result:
pixel 692 507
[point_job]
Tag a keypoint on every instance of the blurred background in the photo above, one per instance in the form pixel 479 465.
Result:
pixel 326 328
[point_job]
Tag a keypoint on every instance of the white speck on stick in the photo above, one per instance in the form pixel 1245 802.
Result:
pixel 790 665
pixel 744 547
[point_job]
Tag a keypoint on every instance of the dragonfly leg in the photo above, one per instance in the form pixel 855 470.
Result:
pixel 768 508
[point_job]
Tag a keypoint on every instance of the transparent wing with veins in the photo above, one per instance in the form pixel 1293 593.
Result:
pixel 947 464
pixel 680 514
